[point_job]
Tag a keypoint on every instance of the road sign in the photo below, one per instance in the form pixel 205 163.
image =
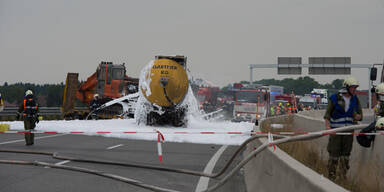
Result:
pixel 329 65
pixel 289 65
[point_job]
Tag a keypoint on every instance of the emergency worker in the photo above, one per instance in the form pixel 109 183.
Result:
pixel 294 108
pixel 343 109
pixel 278 109
pixel 29 110
pixel 273 110
pixel 281 108
pixel 289 108
pixel 95 103
pixel 1 103
pixel 379 108
pixel 380 124
pixel 207 107
pixel 300 107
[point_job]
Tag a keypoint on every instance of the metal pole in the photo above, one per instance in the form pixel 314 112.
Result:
pixel 250 75
pixel 369 88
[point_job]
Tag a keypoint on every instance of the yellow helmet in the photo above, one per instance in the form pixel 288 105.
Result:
pixel 28 92
pixel 380 88
pixel 380 123
pixel 350 81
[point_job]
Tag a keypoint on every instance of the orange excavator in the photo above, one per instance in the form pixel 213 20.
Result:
pixel 109 82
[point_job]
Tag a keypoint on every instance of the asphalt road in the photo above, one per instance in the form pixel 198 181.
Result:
pixel 15 178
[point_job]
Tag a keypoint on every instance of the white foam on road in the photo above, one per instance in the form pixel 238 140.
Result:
pixel 129 125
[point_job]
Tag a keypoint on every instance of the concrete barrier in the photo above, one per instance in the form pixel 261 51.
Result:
pixel 273 171
pixel 367 164
pixel 277 171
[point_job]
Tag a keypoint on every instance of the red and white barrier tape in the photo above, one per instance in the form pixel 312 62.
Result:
pixel 132 132
pixel 190 132
pixel 270 141
pixel 160 139
pixel 317 133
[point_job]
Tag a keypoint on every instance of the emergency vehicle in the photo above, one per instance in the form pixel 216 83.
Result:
pixel 251 103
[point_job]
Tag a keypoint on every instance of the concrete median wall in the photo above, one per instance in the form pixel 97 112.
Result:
pixel 277 171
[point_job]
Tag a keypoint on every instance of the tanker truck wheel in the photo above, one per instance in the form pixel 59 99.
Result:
pixel 152 118
pixel 178 118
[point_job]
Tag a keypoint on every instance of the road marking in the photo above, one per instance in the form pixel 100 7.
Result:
pixel 115 146
pixel 62 162
pixel 36 138
pixel 58 163
pixel 202 185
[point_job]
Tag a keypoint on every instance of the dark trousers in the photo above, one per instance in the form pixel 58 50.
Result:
pixel 29 124
pixel 339 149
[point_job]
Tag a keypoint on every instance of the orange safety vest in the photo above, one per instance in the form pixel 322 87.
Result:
pixel 30 107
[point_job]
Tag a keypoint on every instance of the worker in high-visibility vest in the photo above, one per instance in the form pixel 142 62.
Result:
pixel 273 108
pixel 29 110
pixel 278 109
pixel 1 103
pixel 343 109
pixel 289 108
pixel 294 109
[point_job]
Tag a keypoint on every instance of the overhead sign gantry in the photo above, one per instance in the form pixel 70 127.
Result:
pixel 289 65
pixel 329 65
pixel 317 66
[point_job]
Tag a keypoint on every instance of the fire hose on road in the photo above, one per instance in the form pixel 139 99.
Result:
pixel 271 142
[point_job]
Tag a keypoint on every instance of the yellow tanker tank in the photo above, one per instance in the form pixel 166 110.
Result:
pixel 168 83
pixel 165 85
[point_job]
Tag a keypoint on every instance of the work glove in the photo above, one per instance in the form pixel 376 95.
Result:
pixel 37 119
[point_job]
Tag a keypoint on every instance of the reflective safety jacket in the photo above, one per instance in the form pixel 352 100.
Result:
pixel 1 104
pixel 272 110
pixel 29 107
pixel 340 117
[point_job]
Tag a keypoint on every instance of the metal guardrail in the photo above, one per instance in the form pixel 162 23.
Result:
pixel 12 111
pixel 212 114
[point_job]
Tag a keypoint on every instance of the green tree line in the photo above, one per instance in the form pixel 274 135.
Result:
pixel 48 95
pixel 51 95
pixel 301 85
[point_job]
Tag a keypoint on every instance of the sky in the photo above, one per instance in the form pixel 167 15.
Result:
pixel 42 40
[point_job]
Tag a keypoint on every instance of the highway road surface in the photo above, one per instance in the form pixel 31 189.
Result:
pixel 197 157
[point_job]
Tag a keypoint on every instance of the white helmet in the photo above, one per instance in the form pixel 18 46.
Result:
pixel 380 88
pixel 350 81
pixel 380 123
pixel 96 95
pixel 28 92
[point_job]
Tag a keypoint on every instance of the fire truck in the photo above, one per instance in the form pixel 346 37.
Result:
pixel 251 103
pixel 207 97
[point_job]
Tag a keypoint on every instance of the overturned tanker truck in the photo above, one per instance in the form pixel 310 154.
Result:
pixel 163 87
